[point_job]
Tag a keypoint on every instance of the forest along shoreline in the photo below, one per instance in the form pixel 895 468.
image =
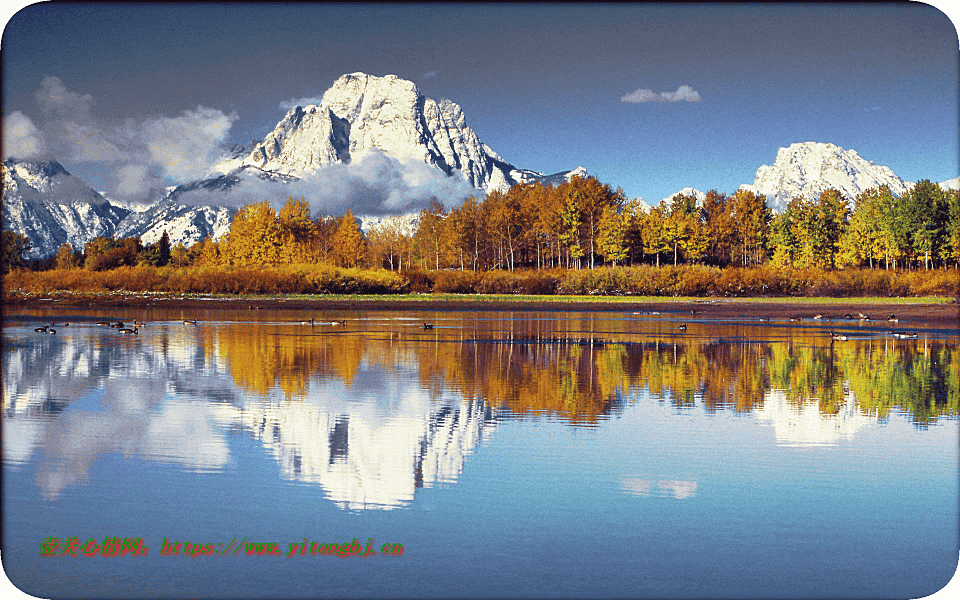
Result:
pixel 909 312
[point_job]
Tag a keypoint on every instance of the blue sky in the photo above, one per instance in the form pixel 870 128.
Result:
pixel 648 97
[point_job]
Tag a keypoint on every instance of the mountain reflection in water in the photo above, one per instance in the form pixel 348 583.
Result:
pixel 373 409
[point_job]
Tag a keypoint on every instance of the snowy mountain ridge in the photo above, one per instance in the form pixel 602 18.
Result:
pixel 51 207
pixel 809 168
pixel 43 201
pixel 360 113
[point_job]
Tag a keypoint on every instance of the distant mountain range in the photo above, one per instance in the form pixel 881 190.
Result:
pixel 808 169
pixel 358 116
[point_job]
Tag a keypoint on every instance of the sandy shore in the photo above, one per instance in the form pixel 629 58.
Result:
pixel 945 313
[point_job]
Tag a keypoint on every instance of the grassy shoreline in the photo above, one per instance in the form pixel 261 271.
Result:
pixel 28 297
pixel 925 311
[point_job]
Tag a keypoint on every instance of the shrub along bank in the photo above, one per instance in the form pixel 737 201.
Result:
pixel 669 281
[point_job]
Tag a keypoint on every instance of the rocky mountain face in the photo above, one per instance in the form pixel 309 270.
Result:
pixel 52 207
pixel 360 113
pixel 809 168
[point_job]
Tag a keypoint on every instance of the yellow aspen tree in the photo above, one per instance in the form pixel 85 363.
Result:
pixel 254 237
pixel 298 233
pixel 349 245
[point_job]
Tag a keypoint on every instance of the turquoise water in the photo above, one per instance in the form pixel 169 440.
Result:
pixel 509 454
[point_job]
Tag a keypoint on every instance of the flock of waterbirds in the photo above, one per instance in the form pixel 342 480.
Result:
pixel 134 328
pixel 834 337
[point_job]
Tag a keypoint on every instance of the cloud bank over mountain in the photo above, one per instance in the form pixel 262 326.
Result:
pixel 373 184
pixel 143 153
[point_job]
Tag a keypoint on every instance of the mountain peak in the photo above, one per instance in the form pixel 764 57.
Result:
pixel 809 168
pixel 362 112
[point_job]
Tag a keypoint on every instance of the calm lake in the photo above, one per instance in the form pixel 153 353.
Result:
pixel 477 454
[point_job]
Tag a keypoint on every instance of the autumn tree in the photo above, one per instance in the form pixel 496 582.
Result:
pixel 390 242
pixel 634 220
pixel 812 228
pixel 467 229
pixel 682 229
pixel 783 236
pixel 952 246
pixel 750 217
pixel 921 222
pixel 829 220
pixel 349 245
pixel 656 233
pixel 179 256
pixel 612 242
pixel 104 254
pixel 589 198
pixel 66 258
pixel 430 239
pixel 508 224
pixel 207 252
pixel 719 228
pixel 255 237
pixel 15 248
pixel 298 233
pixel 869 234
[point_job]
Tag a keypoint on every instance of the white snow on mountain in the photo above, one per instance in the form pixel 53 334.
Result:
pixel 184 224
pixel 361 113
pixel 52 207
pixel 688 191
pixel 951 184
pixel 809 168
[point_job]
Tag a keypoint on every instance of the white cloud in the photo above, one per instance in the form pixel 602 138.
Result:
pixel 21 138
pixel 372 184
pixel 142 151
pixel 131 181
pixel 56 100
pixel 684 93
pixel 185 146
pixel 295 102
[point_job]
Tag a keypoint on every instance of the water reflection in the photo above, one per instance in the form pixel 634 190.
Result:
pixel 375 408
pixel 638 486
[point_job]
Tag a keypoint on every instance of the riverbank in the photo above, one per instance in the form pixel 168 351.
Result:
pixel 931 311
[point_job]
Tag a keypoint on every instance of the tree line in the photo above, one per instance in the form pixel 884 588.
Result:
pixel 578 224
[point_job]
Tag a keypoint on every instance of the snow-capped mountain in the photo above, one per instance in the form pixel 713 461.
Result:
pixel 184 224
pixel 809 168
pixel 688 191
pixel 951 184
pixel 360 113
pixel 52 207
